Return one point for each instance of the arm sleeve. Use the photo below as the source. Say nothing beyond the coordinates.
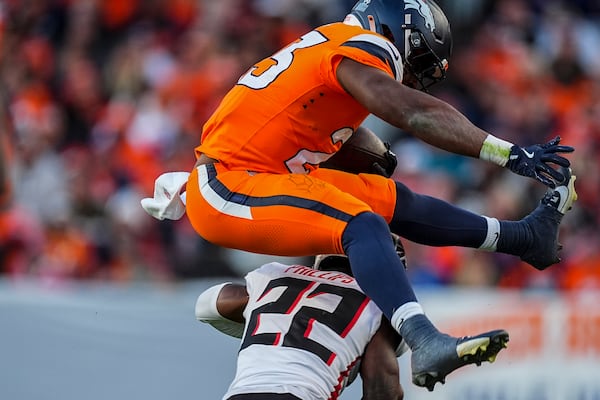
(206, 311)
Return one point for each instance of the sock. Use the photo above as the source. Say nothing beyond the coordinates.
(434, 222)
(493, 234)
(417, 331)
(515, 237)
(404, 312)
(375, 265)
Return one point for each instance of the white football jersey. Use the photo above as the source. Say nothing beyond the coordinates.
(305, 331)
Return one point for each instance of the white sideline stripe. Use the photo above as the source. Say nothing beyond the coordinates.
(216, 201)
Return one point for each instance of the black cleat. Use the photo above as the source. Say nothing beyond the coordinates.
(544, 223)
(564, 195)
(435, 355)
(442, 354)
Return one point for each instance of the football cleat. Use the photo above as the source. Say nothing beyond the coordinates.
(562, 197)
(442, 354)
(545, 220)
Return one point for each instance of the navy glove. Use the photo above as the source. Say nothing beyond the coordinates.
(532, 161)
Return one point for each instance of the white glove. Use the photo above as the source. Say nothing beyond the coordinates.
(167, 201)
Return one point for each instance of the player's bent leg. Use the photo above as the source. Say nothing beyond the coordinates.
(430, 221)
(420, 218)
(375, 264)
(380, 273)
(434, 222)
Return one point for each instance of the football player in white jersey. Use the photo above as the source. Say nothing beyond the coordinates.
(306, 333)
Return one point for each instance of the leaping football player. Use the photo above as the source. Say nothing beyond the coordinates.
(257, 185)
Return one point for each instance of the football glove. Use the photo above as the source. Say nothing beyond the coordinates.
(533, 161)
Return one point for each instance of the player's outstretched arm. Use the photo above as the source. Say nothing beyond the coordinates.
(441, 125)
(420, 114)
(232, 301)
(379, 369)
(222, 306)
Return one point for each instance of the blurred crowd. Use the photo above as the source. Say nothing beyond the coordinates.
(99, 97)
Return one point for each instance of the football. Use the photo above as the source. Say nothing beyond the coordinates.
(364, 152)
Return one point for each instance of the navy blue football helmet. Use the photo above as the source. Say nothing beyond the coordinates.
(420, 31)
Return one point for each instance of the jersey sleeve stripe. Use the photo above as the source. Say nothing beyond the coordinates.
(379, 48)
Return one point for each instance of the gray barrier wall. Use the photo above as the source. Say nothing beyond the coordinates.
(93, 342)
(98, 342)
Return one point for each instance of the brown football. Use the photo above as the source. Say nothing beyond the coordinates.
(361, 152)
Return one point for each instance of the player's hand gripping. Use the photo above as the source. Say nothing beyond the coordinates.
(389, 165)
(533, 161)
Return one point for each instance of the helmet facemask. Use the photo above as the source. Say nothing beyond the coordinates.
(423, 66)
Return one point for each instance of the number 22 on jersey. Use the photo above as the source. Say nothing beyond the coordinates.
(304, 314)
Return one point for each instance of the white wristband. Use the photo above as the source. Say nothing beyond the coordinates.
(495, 150)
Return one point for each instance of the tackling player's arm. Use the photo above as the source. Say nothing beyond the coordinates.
(222, 306)
(441, 125)
(379, 369)
(232, 301)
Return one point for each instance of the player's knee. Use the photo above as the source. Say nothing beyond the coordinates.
(406, 201)
(367, 225)
(404, 196)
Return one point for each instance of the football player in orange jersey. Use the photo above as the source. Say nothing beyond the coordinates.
(257, 185)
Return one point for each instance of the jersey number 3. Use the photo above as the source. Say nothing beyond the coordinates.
(260, 76)
(340, 320)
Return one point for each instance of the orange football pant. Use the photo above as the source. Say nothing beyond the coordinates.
(282, 214)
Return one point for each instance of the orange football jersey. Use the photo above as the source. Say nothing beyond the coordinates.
(288, 113)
